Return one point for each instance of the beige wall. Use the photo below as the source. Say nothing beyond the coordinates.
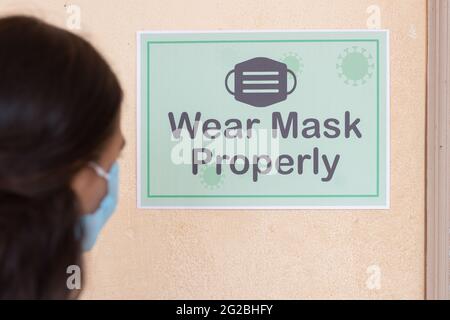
(260, 254)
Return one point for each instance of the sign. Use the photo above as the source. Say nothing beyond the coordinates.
(295, 119)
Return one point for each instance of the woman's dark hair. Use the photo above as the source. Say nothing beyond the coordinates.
(59, 101)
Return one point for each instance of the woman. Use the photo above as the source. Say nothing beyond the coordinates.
(59, 141)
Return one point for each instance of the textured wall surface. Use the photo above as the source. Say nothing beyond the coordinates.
(260, 254)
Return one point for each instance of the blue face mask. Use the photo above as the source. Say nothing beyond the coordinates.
(93, 223)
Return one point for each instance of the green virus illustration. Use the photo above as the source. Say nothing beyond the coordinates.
(294, 62)
(210, 179)
(355, 65)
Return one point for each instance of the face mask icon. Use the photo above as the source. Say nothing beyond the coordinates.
(260, 82)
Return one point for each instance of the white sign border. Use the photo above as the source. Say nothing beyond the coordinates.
(140, 33)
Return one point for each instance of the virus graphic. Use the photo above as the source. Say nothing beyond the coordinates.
(355, 65)
(210, 179)
(294, 62)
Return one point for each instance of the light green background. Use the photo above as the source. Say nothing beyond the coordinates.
(186, 72)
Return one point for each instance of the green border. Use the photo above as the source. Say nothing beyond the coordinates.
(263, 196)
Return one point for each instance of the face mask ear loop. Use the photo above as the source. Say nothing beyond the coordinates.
(226, 82)
(295, 81)
(99, 170)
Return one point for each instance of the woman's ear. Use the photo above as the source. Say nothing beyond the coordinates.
(89, 188)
